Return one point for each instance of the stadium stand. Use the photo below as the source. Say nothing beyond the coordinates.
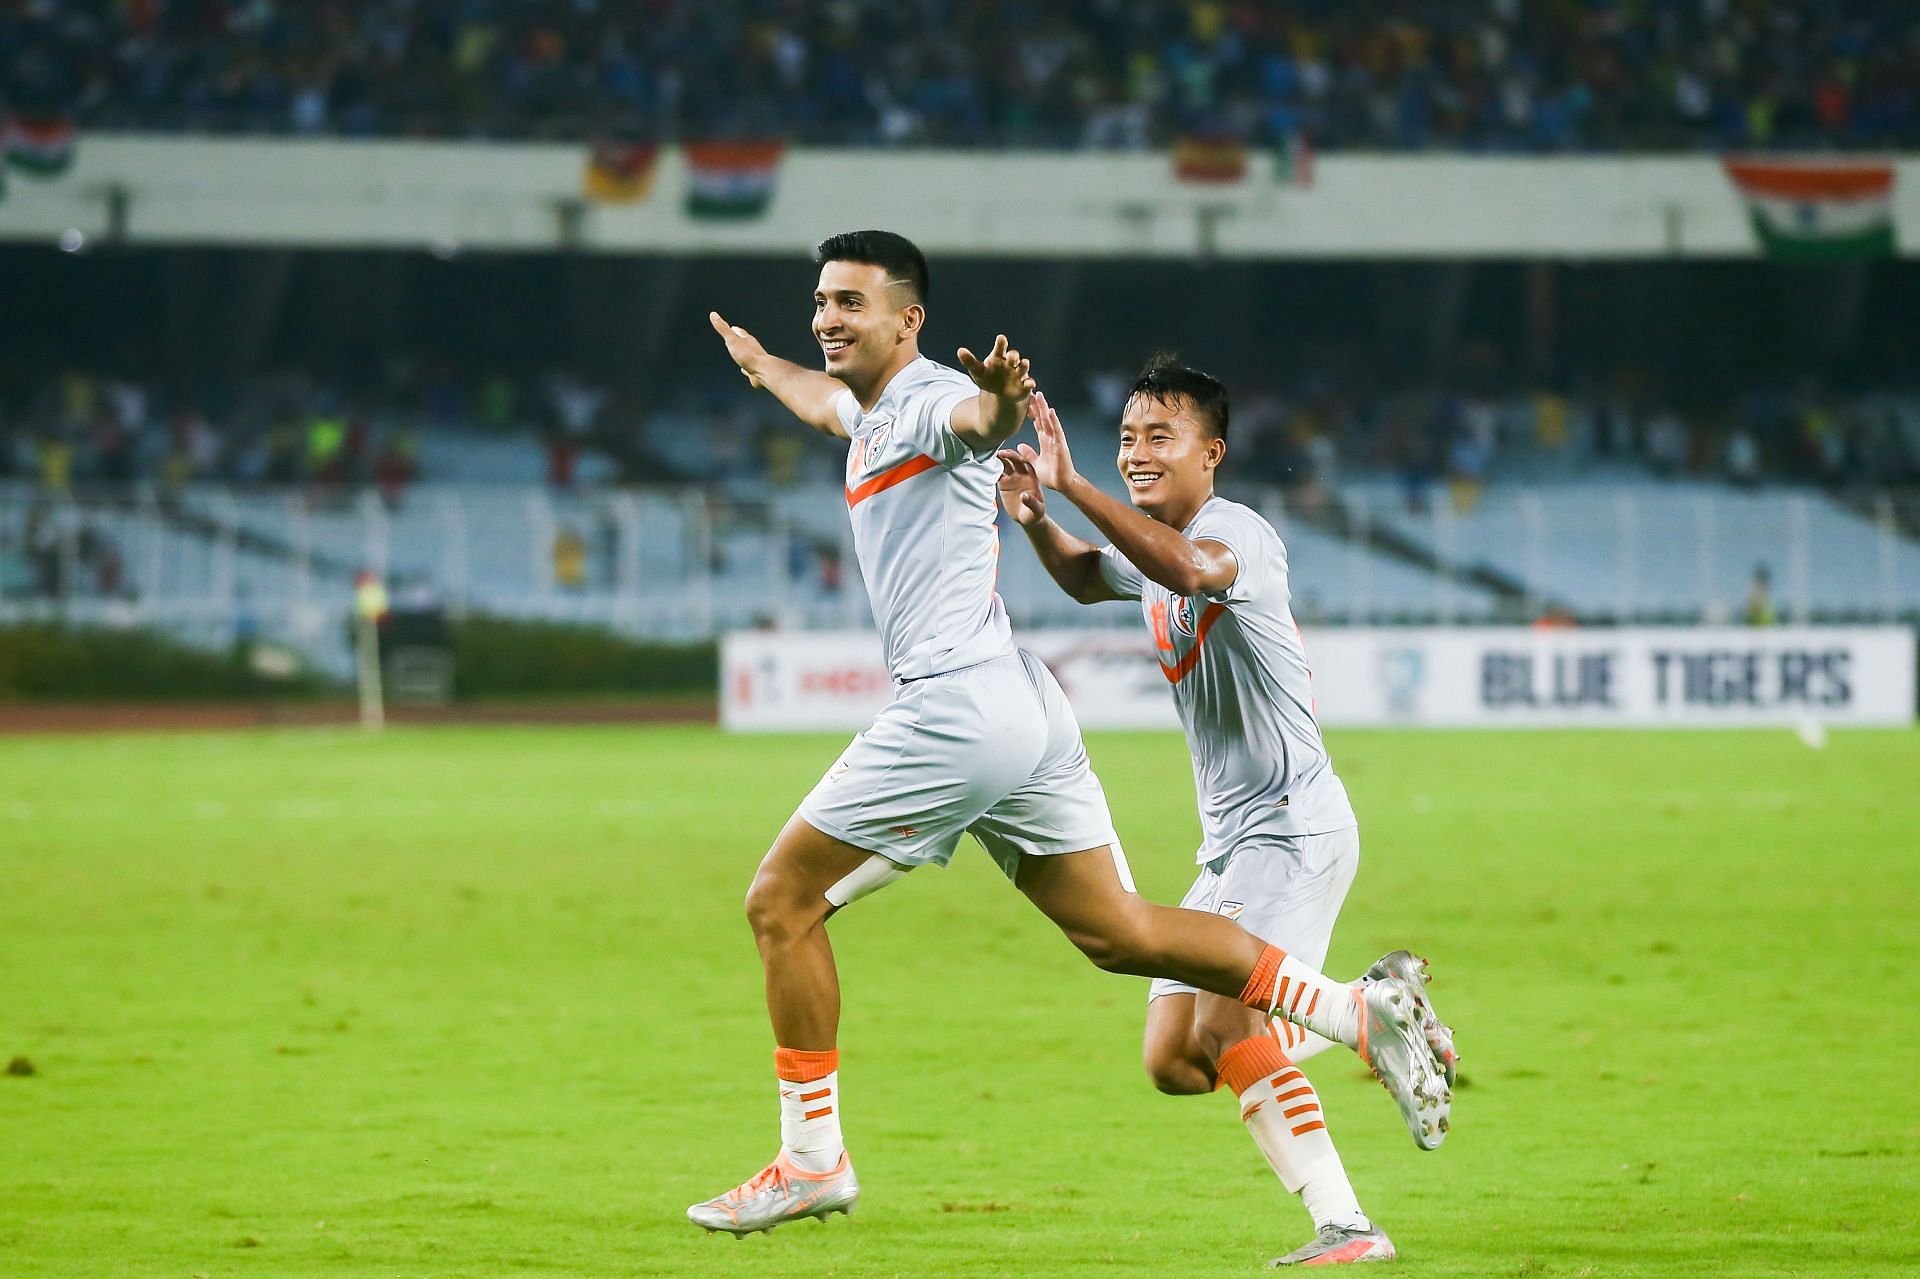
(1472, 74)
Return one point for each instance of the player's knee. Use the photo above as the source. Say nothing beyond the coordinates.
(776, 913)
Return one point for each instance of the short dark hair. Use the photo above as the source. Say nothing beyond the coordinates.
(898, 256)
(1166, 380)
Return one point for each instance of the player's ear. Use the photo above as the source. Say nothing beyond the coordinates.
(1216, 451)
(913, 317)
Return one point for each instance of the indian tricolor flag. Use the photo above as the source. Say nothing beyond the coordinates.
(732, 179)
(40, 147)
(1818, 210)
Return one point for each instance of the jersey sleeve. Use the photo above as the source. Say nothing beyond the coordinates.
(1259, 556)
(1118, 572)
(928, 421)
(848, 409)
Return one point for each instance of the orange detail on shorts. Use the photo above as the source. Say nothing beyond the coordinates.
(1184, 667)
(1258, 992)
(797, 1066)
(815, 1114)
(1248, 1062)
(1312, 1004)
(1314, 1126)
(888, 478)
(1305, 1107)
(816, 1095)
(1298, 991)
(1280, 995)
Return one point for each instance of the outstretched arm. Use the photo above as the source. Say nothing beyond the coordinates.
(808, 393)
(1162, 553)
(1005, 381)
(1072, 563)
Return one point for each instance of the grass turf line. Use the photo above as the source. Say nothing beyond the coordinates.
(481, 1002)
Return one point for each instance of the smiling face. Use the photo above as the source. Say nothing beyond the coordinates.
(1167, 457)
(867, 325)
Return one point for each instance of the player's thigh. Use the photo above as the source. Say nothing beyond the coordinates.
(937, 757)
(1089, 896)
(1060, 806)
(795, 875)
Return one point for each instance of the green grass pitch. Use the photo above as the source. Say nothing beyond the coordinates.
(482, 1003)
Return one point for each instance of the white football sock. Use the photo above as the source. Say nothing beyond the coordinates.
(810, 1109)
(1282, 1115)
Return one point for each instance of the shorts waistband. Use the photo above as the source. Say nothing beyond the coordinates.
(902, 682)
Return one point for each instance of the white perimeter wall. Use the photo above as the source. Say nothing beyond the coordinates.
(309, 193)
(1413, 678)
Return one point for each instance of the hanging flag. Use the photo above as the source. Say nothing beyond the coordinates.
(1293, 161)
(732, 179)
(1209, 158)
(1817, 210)
(619, 172)
(41, 146)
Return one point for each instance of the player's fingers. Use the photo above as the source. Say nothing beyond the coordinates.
(1028, 453)
(719, 325)
(968, 360)
(1000, 345)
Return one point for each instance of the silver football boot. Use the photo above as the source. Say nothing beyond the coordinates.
(1338, 1245)
(1396, 1050)
(1412, 969)
(779, 1193)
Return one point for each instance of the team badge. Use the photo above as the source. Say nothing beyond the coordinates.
(838, 771)
(1182, 614)
(1231, 910)
(877, 438)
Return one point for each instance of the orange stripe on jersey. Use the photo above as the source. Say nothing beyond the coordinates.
(1304, 1129)
(1298, 1092)
(1303, 1108)
(1184, 667)
(816, 1095)
(824, 1110)
(888, 478)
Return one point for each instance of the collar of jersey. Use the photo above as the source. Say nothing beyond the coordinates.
(887, 393)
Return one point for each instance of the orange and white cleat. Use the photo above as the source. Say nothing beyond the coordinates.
(779, 1193)
(1340, 1245)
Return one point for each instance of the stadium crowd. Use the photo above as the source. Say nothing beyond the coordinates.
(1395, 74)
(295, 429)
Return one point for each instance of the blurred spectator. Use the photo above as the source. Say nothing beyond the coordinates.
(1459, 74)
(1760, 610)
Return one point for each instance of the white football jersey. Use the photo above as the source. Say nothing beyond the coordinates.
(1240, 680)
(922, 505)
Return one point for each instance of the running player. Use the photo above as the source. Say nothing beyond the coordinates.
(978, 737)
(1280, 841)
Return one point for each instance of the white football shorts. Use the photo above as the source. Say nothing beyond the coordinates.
(992, 750)
(1284, 889)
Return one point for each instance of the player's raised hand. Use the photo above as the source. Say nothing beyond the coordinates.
(1003, 373)
(1053, 463)
(742, 346)
(1019, 487)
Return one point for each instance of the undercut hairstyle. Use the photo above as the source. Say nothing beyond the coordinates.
(1167, 381)
(898, 256)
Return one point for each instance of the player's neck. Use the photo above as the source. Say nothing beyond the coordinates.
(869, 393)
(1180, 514)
